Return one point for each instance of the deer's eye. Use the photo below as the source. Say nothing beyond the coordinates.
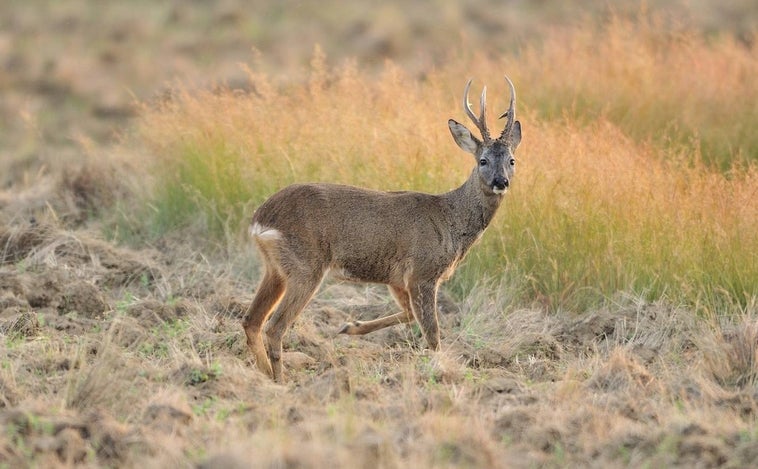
(513, 162)
(483, 162)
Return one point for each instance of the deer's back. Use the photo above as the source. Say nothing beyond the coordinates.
(363, 234)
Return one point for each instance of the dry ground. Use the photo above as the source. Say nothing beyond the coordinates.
(127, 357)
(116, 356)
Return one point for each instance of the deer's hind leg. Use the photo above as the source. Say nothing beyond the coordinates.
(301, 288)
(269, 293)
(405, 316)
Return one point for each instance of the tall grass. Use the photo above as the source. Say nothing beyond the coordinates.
(593, 213)
(615, 190)
(653, 79)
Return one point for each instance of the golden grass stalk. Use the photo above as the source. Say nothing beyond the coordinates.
(654, 79)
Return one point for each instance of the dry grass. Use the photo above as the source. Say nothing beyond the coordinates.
(653, 78)
(635, 384)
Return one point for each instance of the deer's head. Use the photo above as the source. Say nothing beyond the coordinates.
(494, 157)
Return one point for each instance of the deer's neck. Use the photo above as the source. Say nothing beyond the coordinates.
(471, 210)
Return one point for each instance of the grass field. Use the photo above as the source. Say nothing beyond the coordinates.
(651, 198)
(607, 318)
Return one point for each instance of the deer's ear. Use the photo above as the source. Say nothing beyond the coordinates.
(516, 134)
(463, 137)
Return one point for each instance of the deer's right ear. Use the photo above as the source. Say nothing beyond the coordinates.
(463, 137)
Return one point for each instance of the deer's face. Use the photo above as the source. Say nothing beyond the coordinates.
(495, 160)
(496, 166)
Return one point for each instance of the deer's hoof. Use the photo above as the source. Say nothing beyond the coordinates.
(350, 328)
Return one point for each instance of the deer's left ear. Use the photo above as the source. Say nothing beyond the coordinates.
(463, 137)
(516, 134)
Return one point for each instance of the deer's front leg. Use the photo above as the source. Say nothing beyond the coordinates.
(424, 304)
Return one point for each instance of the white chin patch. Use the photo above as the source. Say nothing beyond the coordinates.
(499, 191)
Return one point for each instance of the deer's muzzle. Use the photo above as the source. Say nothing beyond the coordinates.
(499, 185)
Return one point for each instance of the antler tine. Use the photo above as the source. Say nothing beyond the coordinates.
(467, 107)
(483, 114)
(511, 112)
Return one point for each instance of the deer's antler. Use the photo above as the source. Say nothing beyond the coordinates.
(481, 122)
(510, 113)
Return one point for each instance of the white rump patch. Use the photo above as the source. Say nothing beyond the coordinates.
(263, 232)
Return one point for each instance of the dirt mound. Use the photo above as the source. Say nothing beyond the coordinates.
(151, 312)
(75, 282)
(83, 298)
(88, 190)
(24, 324)
(64, 439)
(37, 245)
(50, 290)
(18, 241)
(620, 373)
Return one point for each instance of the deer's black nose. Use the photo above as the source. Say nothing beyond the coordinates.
(500, 183)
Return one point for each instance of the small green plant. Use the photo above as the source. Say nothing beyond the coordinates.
(196, 453)
(197, 376)
(41, 425)
(559, 455)
(202, 375)
(230, 340)
(428, 369)
(223, 414)
(17, 435)
(144, 280)
(204, 347)
(125, 302)
(625, 454)
(174, 329)
(30, 424)
(14, 340)
(204, 407)
(153, 350)
(746, 436)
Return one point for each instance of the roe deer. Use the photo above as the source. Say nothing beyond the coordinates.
(409, 241)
